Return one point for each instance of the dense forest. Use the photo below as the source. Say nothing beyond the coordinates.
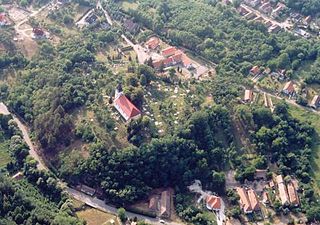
(308, 7)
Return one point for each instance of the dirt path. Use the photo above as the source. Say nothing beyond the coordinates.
(25, 133)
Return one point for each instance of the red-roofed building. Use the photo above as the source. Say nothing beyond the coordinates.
(125, 107)
(293, 196)
(244, 200)
(186, 61)
(289, 88)
(254, 202)
(170, 51)
(248, 96)
(255, 70)
(3, 19)
(213, 203)
(153, 43)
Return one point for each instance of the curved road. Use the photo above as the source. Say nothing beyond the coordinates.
(91, 201)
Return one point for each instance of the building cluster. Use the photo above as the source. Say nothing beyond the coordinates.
(265, 7)
(286, 191)
(172, 56)
(38, 33)
(161, 204)
(249, 202)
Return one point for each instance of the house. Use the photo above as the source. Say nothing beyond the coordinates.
(260, 174)
(244, 200)
(293, 195)
(165, 208)
(279, 9)
(289, 89)
(253, 199)
(243, 11)
(38, 32)
(315, 103)
(153, 203)
(248, 96)
(283, 194)
(274, 29)
(87, 190)
(18, 176)
(307, 20)
(213, 203)
(131, 26)
(255, 70)
(170, 51)
(3, 19)
(124, 106)
(153, 43)
(266, 8)
(265, 198)
(186, 61)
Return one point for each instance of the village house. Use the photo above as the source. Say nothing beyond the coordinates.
(124, 106)
(3, 19)
(293, 195)
(274, 28)
(172, 56)
(38, 33)
(248, 96)
(266, 8)
(213, 203)
(244, 200)
(260, 174)
(86, 189)
(165, 208)
(283, 194)
(153, 43)
(279, 9)
(254, 202)
(255, 71)
(315, 103)
(289, 89)
(153, 203)
(131, 26)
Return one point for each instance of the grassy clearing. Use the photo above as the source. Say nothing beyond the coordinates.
(129, 5)
(4, 154)
(314, 119)
(96, 217)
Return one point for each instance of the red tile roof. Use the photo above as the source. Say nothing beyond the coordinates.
(293, 196)
(153, 43)
(169, 51)
(255, 70)
(244, 200)
(126, 108)
(289, 87)
(3, 18)
(213, 202)
(254, 202)
(38, 31)
(248, 95)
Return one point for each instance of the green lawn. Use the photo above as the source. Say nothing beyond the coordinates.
(314, 119)
(4, 154)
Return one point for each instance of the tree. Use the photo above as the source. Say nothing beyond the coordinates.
(122, 214)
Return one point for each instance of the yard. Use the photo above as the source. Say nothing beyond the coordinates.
(96, 217)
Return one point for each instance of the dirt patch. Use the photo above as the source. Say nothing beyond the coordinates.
(28, 47)
(17, 14)
(96, 217)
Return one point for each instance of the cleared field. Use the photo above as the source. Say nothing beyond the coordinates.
(96, 217)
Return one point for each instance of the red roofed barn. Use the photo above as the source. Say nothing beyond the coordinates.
(153, 43)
